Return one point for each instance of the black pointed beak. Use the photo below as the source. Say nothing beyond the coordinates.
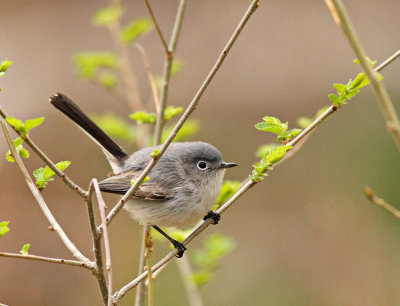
(226, 165)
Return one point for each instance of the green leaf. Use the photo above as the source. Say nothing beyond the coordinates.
(32, 123)
(63, 165)
(4, 65)
(229, 188)
(261, 151)
(146, 179)
(172, 111)
(340, 87)
(271, 157)
(179, 235)
(218, 245)
(4, 229)
(176, 66)
(190, 128)
(25, 249)
(17, 124)
(107, 79)
(144, 117)
(304, 122)
(277, 154)
(360, 81)
(200, 278)
(272, 125)
(371, 62)
(19, 148)
(115, 126)
(155, 153)
(335, 100)
(135, 29)
(289, 135)
(44, 175)
(88, 64)
(41, 181)
(107, 15)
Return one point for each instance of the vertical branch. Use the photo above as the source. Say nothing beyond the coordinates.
(149, 251)
(96, 236)
(39, 199)
(342, 19)
(102, 209)
(170, 52)
(140, 291)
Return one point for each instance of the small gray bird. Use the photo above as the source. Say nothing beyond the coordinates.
(183, 185)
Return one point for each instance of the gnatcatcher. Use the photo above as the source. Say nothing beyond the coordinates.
(183, 186)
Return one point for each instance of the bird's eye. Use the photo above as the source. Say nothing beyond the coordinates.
(202, 165)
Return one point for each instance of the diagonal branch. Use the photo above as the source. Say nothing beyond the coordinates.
(163, 42)
(381, 202)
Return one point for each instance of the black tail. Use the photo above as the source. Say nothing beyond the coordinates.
(71, 110)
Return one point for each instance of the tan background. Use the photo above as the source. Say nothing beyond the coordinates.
(305, 236)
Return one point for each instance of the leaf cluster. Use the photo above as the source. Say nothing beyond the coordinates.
(344, 92)
(208, 258)
(23, 129)
(275, 126)
(145, 117)
(4, 229)
(270, 157)
(4, 65)
(45, 175)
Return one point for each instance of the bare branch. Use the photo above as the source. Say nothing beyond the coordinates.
(42, 204)
(102, 209)
(167, 70)
(76, 263)
(98, 254)
(381, 202)
(48, 162)
(149, 76)
(343, 20)
(164, 43)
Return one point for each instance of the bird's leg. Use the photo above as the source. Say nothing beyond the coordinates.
(212, 215)
(179, 246)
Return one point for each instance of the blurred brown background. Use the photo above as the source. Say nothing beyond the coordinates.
(304, 236)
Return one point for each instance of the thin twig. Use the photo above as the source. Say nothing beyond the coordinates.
(42, 204)
(96, 241)
(169, 58)
(381, 202)
(253, 6)
(388, 61)
(149, 76)
(164, 43)
(102, 209)
(149, 251)
(48, 162)
(51, 260)
(343, 20)
(141, 289)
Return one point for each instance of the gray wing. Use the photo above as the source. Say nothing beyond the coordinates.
(121, 183)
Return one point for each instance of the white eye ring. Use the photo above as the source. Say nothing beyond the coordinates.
(202, 165)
